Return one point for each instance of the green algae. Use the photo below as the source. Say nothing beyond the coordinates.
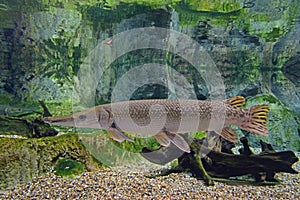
(138, 144)
(190, 16)
(198, 135)
(150, 3)
(5, 98)
(223, 6)
(68, 168)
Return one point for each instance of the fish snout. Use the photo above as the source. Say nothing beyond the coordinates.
(47, 120)
(60, 121)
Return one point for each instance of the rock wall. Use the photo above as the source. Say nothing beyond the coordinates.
(23, 159)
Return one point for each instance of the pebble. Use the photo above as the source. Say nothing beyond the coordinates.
(129, 182)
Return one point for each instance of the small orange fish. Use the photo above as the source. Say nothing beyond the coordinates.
(109, 42)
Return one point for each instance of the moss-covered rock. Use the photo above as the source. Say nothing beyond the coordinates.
(268, 20)
(23, 159)
(25, 128)
(285, 91)
(291, 70)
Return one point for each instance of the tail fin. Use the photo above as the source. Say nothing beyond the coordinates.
(257, 121)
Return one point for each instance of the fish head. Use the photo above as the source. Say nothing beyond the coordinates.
(66, 120)
(90, 118)
(105, 118)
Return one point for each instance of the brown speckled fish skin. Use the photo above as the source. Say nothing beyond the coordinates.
(191, 111)
(159, 116)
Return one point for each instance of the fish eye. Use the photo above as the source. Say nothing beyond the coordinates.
(82, 117)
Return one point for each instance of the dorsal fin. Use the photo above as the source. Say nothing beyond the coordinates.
(236, 102)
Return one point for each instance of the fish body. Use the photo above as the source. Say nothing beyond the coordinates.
(165, 119)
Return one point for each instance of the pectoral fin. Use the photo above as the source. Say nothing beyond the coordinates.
(228, 134)
(118, 135)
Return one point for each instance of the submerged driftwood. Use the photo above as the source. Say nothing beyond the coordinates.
(25, 128)
(205, 163)
(34, 128)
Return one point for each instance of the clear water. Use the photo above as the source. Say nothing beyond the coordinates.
(92, 52)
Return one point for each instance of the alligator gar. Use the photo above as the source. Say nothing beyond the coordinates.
(166, 119)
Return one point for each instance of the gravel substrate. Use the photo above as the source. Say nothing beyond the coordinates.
(131, 183)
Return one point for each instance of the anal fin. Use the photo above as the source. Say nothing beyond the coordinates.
(118, 135)
(228, 134)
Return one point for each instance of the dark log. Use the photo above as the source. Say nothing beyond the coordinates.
(246, 150)
(217, 164)
(25, 128)
(45, 111)
(29, 128)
